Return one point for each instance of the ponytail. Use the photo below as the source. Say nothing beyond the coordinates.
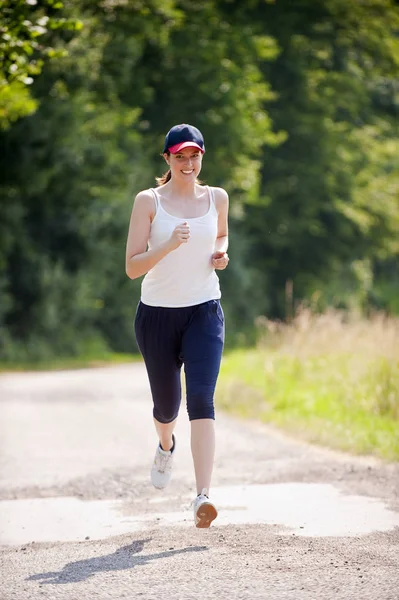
(164, 178)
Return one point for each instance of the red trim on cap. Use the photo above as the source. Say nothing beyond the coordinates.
(177, 147)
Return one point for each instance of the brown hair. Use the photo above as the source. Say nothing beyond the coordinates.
(164, 178)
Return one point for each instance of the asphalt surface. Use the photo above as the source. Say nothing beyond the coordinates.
(79, 518)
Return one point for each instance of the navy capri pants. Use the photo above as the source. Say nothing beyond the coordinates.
(170, 337)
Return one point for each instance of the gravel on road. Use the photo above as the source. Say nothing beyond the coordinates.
(79, 518)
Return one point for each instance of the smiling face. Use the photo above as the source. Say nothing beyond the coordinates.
(185, 164)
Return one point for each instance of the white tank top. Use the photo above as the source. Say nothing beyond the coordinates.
(185, 276)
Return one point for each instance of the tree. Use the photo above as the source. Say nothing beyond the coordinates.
(29, 34)
(297, 104)
(318, 209)
(96, 136)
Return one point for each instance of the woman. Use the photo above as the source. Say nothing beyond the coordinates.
(178, 236)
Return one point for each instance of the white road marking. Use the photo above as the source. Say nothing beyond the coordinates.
(313, 510)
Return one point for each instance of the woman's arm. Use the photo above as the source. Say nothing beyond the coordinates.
(220, 257)
(139, 260)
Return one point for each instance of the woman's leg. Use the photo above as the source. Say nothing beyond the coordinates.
(203, 451)
(165, 433)
(156, 337)
(160, 347)
(202, 347)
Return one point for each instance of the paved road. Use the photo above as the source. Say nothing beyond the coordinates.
(80, 520)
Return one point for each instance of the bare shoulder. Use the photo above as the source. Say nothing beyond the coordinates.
(144, 202)
(144, 197)
(221, 198)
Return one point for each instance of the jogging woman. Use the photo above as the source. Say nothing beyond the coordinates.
(178, 236)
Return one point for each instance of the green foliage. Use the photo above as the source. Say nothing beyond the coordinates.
(298, 103)
(27, 39)
(329, 192)
(15, 102)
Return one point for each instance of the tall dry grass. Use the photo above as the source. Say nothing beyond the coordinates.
(367, 350)
(332, 378)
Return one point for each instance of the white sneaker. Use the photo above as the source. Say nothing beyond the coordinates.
(161, 471)
(204, 511)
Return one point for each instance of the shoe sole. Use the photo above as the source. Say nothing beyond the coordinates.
(160, 486)
(206, 513)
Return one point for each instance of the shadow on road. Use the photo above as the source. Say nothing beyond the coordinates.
(120, 560)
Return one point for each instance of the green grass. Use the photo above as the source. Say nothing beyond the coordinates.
(78, 362)
(326, 379)
(330, 379)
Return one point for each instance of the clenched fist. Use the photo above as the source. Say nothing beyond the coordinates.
(220, 260)
(180, 235)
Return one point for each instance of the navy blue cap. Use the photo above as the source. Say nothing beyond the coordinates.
(183, 136)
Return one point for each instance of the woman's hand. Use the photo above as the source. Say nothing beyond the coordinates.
(220, 260)
(180, 235)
